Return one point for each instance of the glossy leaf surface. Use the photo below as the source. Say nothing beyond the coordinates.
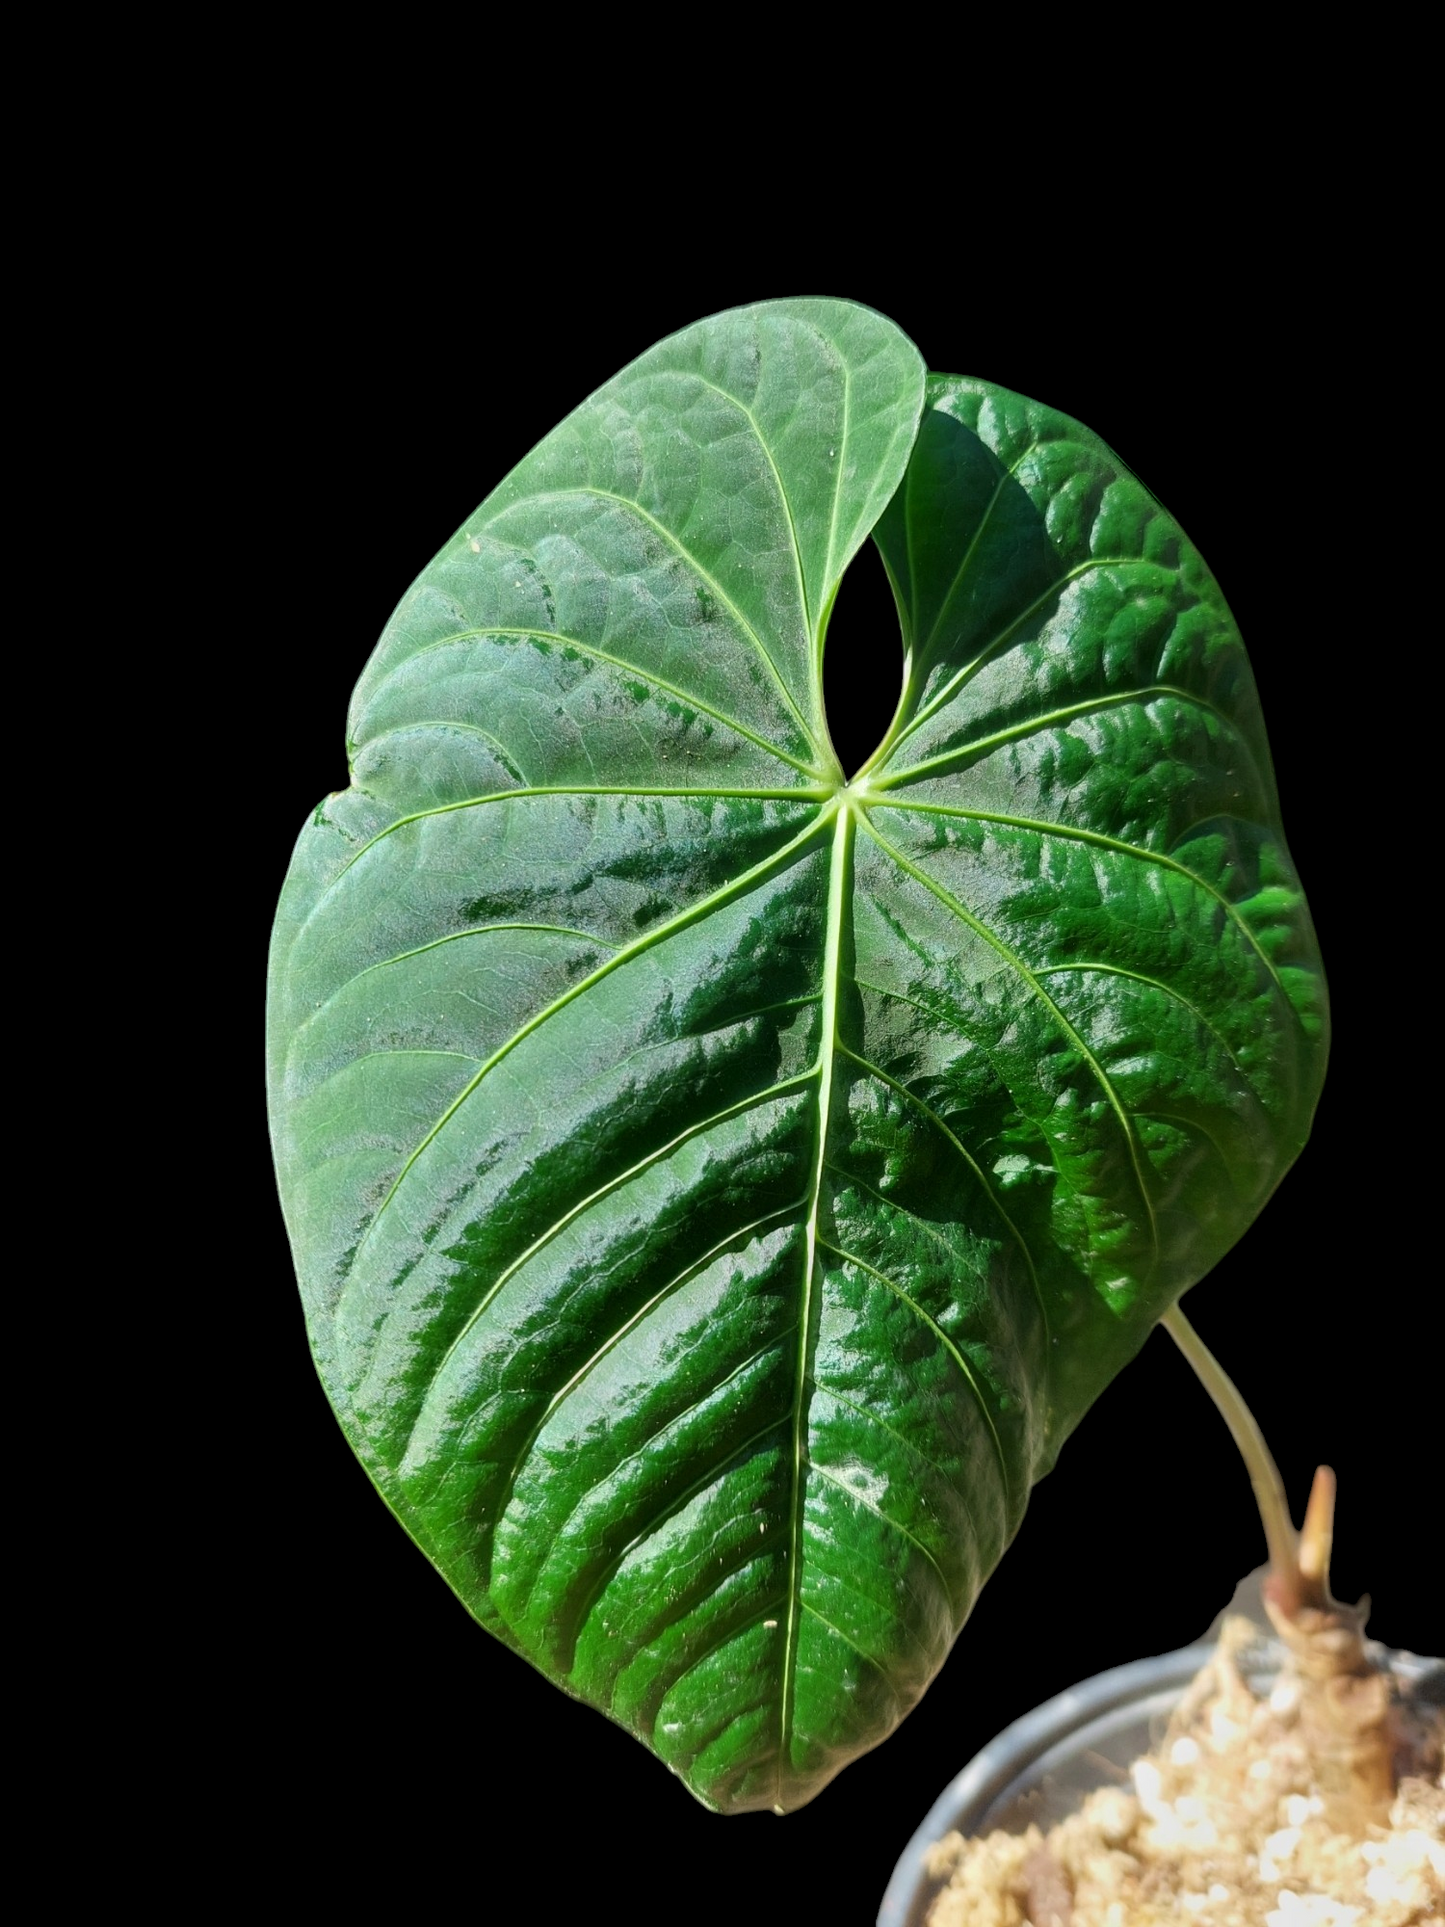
(718, 1189)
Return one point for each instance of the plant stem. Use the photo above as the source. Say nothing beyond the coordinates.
(1345, 1720)
(1269, 1493)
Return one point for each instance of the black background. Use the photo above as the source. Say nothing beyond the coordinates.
(399, 392)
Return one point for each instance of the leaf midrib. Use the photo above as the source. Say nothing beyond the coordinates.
(839, 896)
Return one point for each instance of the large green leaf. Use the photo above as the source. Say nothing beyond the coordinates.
(718, 1189)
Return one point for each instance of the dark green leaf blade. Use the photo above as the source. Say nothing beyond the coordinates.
(716, 1190)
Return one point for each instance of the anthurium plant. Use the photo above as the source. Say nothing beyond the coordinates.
(719, 1183)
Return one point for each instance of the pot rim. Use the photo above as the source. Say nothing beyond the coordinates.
(991, 1770)
(1019, 1745)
